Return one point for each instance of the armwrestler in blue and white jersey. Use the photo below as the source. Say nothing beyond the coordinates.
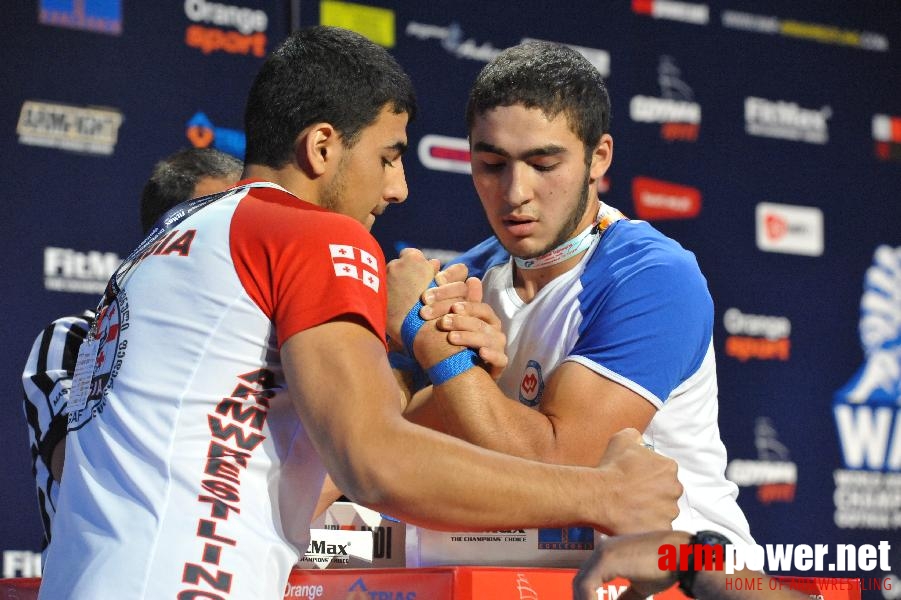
(608, 322)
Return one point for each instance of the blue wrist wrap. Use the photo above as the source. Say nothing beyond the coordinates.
(412, 324)
(453, 365)
(402, 362)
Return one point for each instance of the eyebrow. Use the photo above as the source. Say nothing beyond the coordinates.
(548, 150)
(399, 147)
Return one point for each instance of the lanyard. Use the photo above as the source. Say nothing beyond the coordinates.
(607, 215)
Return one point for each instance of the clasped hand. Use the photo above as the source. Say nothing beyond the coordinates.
(453, 310)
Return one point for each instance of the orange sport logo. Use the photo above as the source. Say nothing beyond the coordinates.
(226, 28)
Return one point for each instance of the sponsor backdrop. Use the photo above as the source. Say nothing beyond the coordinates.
(764, 136)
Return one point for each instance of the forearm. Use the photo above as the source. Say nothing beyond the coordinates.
(329, 494)
(442, 483)
(348, 405)
(422, 410)
(473, 408)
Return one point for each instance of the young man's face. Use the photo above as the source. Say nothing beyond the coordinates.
(531, 176)
(370, 174)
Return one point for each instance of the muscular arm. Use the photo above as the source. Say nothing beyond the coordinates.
(348, 403)
(580, 408)
(579, 412)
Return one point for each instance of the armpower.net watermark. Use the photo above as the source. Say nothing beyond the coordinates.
(826, 560)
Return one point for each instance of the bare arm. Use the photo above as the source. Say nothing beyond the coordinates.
(579, 411)
(434, 480)
(635, 557)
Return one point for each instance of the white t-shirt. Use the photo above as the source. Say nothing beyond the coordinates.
(188, 473)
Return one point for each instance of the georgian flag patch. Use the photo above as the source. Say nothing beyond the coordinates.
(350, 261)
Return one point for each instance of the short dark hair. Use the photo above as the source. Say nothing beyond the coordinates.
(321, 74)
(174, 178)
(551, 77)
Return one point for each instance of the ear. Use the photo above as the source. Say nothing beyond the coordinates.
(601, 158)
(317, 148)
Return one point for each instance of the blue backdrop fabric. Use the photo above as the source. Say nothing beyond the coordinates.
(764, 136)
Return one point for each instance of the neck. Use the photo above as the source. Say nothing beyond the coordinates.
(529, 281)
(530, 275)
(291, 179)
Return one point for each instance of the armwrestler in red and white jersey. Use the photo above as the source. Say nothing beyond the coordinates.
(240, 352)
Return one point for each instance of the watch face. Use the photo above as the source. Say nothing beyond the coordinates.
(710, 538)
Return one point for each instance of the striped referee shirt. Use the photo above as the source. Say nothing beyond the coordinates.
(46, 380)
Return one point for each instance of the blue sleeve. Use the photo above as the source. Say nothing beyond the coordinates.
(482, 257)
(647, 314)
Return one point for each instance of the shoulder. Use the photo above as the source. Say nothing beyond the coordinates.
(635, 249)
(482, 257)
(76, 325)
(56, 346)
(274, 214)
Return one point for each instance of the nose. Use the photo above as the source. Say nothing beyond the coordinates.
(515, 184)
(396, 184)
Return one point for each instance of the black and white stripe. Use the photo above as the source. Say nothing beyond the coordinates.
(46, 380)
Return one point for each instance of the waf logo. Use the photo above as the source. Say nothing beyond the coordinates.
(99, 16)
(656, 200)
(789, 229)
(773, 473)
(201, 132)
(887, 137)
(350, 261)
(867, 409)
(532, 386)
(676, 111)
(443, 153)
(217, 34)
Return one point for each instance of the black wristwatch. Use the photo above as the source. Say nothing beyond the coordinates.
(686, 577)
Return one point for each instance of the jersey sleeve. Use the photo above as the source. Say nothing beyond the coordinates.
(304, 266)
(47, 377)
(46, 381)
(649, 325)
(479, 259)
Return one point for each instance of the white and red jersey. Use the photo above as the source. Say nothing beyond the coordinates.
(188, 473)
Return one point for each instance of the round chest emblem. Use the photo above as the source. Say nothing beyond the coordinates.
(532, 385)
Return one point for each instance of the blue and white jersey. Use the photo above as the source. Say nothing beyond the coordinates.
(637, 311)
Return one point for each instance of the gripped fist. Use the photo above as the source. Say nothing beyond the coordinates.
(646, 496)
(470, 323)
(407, 277)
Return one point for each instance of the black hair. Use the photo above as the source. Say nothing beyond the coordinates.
(551, 77)
(321, 74)
(174, 178)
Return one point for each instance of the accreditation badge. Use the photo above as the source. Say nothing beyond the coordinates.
(84, 373)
